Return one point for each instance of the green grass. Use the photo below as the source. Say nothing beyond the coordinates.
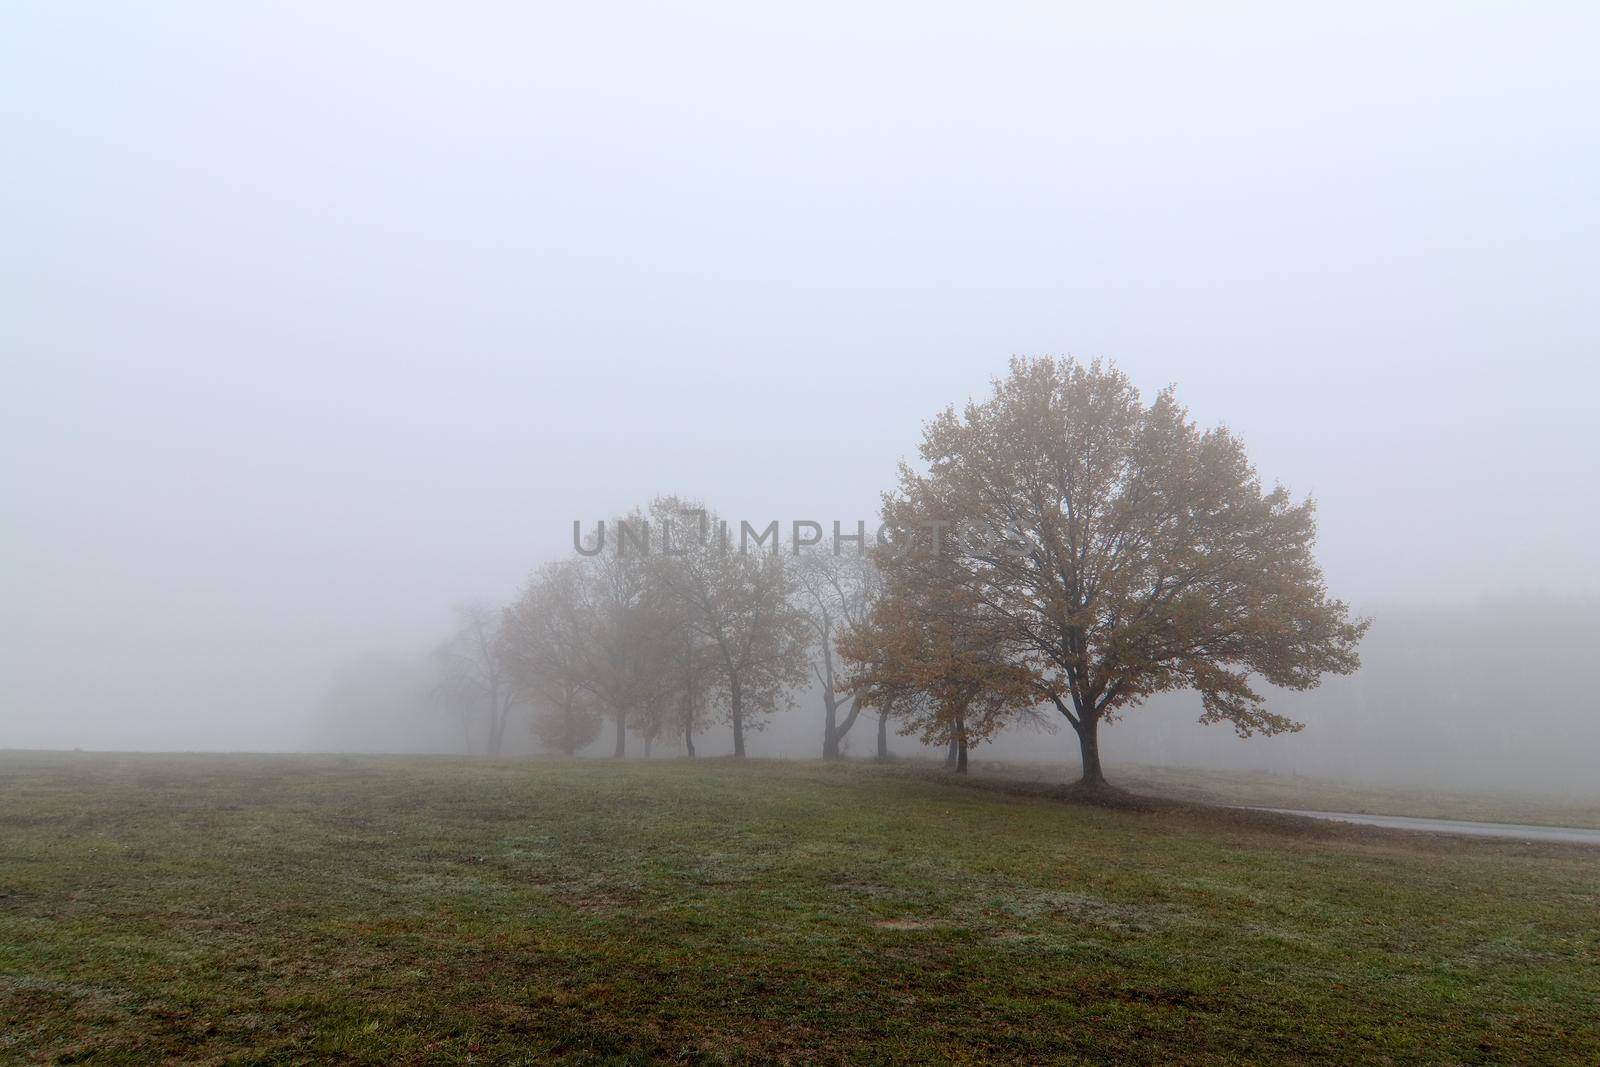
(276, 909)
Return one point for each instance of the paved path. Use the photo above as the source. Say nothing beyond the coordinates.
(1570, 834)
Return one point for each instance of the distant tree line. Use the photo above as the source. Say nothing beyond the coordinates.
(1065, 552)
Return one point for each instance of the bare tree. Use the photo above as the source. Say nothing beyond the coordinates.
(836, 591)
(472, 677)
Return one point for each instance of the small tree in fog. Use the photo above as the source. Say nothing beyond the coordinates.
(836, 591)
(934, 655)
(544, 642)
(740, 605)
(689, 673)
(1120, 551)
(655, 715)
(620, 602)
(472, 679)
(567, 727)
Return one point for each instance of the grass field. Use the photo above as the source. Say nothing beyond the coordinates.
(276, 909)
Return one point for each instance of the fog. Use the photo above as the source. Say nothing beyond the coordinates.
(318, 320)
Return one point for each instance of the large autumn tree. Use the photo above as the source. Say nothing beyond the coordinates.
(1119, 551)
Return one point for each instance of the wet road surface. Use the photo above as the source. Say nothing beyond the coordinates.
(1516, 831)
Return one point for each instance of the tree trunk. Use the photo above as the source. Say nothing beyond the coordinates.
(688, 716)
(648, 742)
(830, 729)
(961, 748)
(1089, 747)
(883, 737)
(830, 699)
(736, 707)
(950, 754)
(833, 743)
(499, 712)
(568, 748)
(622, 737)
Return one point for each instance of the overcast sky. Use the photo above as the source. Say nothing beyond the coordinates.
(317, 318)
